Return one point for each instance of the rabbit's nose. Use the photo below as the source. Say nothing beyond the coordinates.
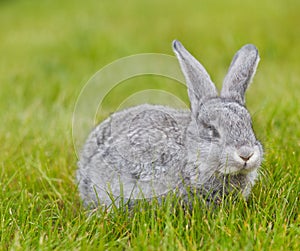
(245, 153)
(244, 158)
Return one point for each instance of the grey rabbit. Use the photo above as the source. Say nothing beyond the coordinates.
(149, 151)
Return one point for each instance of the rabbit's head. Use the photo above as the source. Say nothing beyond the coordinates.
(220, 134)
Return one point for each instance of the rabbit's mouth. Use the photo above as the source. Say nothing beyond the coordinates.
(247, 168)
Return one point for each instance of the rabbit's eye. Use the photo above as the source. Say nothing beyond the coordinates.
(212, 131)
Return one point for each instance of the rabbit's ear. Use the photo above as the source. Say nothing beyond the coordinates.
(240, 73)
(198, 81)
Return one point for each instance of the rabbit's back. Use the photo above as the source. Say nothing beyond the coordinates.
(135, 153)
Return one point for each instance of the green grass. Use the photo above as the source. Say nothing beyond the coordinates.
(49, 49)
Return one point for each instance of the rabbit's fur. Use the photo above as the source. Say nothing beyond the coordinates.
(148, 151)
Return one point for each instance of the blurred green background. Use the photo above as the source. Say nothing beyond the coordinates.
(49, 49)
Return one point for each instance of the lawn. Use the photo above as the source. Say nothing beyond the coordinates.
(48, 52)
